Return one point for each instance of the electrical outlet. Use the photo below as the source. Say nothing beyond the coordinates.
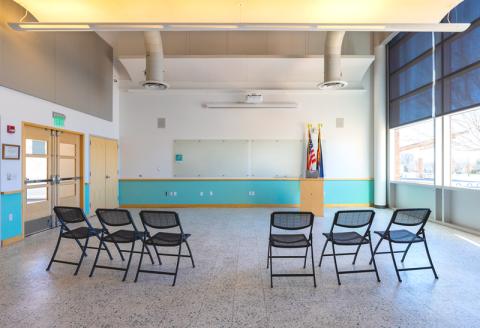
(201, 193)
(10, 217)
(174, 194)
(211, 193)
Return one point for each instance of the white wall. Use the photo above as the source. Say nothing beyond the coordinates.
(148, 151)
(16, 107)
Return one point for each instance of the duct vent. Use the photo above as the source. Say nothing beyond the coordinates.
(161, 123)
(332, 85)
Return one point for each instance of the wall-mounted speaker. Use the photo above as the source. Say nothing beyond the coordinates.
(161, 123)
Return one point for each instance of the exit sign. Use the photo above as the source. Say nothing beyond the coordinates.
(58, 120)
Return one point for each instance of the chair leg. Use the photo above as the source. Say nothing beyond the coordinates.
(373, 260)
(305, 260)
(96, 256)
(268, 256)
(335, 261)
(79, 244)
(429, 258)
(356, 254)
(405, 253)
(313, 267)
(394, 262)
(129, 261)
(140, 262)
(190, 251)
(178, 262)
(323, 252)
(55, 251)
(119, 251)
(106, 248)
(375, 251)
(271, 270)
(158, 255)
(150, 255)
(84, 253)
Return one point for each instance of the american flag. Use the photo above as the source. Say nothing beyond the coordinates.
(311, 156)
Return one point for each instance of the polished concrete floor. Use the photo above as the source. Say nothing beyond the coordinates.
(230, 286)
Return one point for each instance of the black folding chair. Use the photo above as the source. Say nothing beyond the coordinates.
(75, 215)
(352, 220)
(118, 218)
(406, 217)
(291, 221)
(161, 220)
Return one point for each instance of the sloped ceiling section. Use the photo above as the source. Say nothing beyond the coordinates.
(241, 11)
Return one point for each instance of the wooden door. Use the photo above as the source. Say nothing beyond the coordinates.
(37, 174)
(69, 161)
(97, 174)
(111, 173)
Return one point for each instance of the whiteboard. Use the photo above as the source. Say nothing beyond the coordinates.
(238, 158)
(277, 158)
(210, 158)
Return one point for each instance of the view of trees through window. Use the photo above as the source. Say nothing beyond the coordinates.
(465, 149)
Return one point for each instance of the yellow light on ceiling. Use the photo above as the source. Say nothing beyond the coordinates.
(352, 27)
(53, 27)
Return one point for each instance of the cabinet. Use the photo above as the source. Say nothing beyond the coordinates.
(311, 196)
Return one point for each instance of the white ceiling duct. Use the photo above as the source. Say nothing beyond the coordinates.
(154, 70)
(332, 65)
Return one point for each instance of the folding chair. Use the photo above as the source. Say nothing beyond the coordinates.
(406, 217)
(162, 220)
(350, 219)
(118, 218)
(75, 215)
(291, 221)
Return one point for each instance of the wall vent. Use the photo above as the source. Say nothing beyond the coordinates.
(339, 122)
(161, 123)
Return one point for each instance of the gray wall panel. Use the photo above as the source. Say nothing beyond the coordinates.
(72, 69)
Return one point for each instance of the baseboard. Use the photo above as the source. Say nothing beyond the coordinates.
(11, 241)
(209, 205)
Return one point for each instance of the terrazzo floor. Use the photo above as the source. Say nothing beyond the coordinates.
(230, 286)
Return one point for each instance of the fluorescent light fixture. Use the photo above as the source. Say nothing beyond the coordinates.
(62, 26)
(272, 105)
(52, 27)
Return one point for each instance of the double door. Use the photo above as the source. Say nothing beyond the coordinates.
(103, 173)
(52, 175)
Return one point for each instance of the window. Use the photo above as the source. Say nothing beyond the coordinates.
(464, 149)
(413, 153)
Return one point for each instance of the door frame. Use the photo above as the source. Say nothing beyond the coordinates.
(82, 164)
(90, 163)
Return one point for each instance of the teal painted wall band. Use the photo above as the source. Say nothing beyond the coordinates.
(11, 204)
(237, 192)
(86, 199)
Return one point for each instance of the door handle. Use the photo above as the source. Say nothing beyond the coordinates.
(107, 177)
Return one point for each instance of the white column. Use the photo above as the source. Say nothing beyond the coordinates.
(380, 126)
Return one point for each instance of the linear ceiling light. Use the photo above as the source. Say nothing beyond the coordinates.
(442, 27)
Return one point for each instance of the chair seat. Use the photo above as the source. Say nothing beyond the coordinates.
(81, 233)
(400, 236)
(167, 239)
(346, 238)
(124, 236)
(289, 241)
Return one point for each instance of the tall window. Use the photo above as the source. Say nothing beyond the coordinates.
(435, 77)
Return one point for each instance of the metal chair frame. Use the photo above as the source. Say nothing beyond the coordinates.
(365, 237)
(138, 235)
(148, 238)
(309, 245)
(63, 233)
(420, 234)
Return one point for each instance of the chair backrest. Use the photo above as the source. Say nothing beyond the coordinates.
(67, 215)
(160, 219)
(291, 220)
(410, 217)
(114, 217)
(353, 218)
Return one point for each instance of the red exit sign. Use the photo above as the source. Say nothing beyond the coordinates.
(10, 128)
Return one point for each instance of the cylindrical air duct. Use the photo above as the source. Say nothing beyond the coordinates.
(154, 70)
(332, 61)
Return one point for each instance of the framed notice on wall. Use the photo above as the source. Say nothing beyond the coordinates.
(10, 152)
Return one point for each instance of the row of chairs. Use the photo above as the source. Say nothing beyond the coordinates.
(356, 219)
(152, 236)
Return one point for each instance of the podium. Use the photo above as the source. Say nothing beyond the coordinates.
(311, 196)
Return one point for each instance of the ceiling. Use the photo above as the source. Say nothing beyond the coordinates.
(241, 11)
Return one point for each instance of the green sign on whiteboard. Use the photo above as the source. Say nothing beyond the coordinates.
(58, 120)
